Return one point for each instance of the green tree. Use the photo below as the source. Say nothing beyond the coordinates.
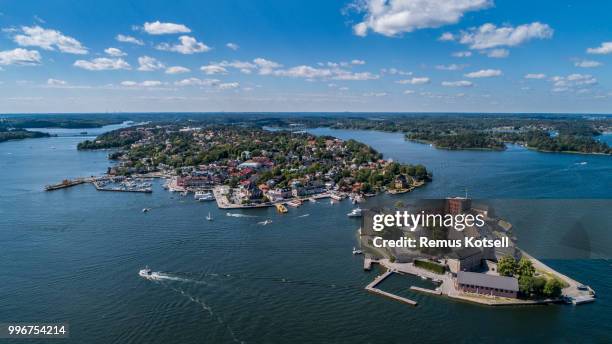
(552, 288)
(525, 267)
(526, 285)
(506, 266)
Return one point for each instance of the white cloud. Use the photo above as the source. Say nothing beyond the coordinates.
(266, 66)
(49, 40)
(452, 66)
(114, 52)
(19, 56)
(128, 39)
(484, 73)
(462, 54)
(304, 72)
(233, 46)
(414, 81)
(229, 85)
(177, 70)
(56, 82)
(375, 94)
(146, 83)
(408, 92)
(498, 53)
(244, 66)
(394, 71)
(187, 45)
(587, 64)
(102, 63)
(446, 37)
(158, 28)
(573, 81)
(148, 64)
(535, 76)
(460, 83)
(213, 69)
(490, 36)
(394, 17)
(346, 75)
(603, 49)
(358, 62)
(197, 82)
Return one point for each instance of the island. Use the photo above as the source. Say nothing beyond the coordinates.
(249, 166)
(477, 261)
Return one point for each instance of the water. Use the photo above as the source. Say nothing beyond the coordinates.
(73, 255)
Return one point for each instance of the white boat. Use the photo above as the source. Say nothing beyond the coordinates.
(356, 251)
(209, 217)
(266, 222)
(145, 210)
(336, 197)
(355, 212)
(312, 200)
(203, 196)
(146, 272)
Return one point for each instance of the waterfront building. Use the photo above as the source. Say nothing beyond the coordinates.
(465, 259)
(484, 284)
(458, 205)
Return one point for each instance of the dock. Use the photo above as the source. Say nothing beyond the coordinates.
(66, 183)
(425, 290)
(372, 289)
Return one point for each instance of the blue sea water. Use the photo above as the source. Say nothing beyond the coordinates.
(73, 255)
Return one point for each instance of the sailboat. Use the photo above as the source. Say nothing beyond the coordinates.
(209, 217)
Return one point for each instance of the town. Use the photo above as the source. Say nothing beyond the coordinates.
(246, 166)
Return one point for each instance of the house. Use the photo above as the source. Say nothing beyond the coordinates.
(484, 284)
(401, 182)
(465, 259)
(279, 194)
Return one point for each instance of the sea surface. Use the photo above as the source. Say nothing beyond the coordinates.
(73, 255)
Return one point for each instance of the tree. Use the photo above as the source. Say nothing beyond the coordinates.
(525, 267)
(552, 288)
(506, 266)
(526, 284)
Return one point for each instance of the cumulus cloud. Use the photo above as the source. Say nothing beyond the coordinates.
(56, 82)
(452, 66)
(266, 67)
(233, 46)
(394, 17)
(535, 76)
(102, 63)
(587, 64)
(128, 39)
(497, 53)
(177, 70)
(375, 94)
(414, 81)
(49, 40)
(19, 56)
(446, 37)
(159, 28)
(149, 64)
(197, 82)
(213, 69)
(228, 85)
(394, 71)
(572, 81)
(484, 73)
(304, 71)
(146, 83)
(460, 83)
(188, 45)
(490, 36)
(114, 52)
(603, 49)
(358, 62)
(462, 54)
(408, 92)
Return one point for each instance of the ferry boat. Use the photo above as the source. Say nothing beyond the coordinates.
(281, 208)
(355, 212)
(204, 196)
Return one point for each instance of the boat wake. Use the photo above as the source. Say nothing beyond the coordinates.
(239, 215)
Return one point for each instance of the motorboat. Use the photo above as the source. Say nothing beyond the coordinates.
(356, 251)
(281, 208)
(355, 212)
(145, 273)
(203, 196)
(209, 217)
(145, 210)
(266, 222)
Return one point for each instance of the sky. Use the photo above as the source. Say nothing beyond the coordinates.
(299, 56)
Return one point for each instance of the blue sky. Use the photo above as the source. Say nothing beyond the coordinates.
(365, 55)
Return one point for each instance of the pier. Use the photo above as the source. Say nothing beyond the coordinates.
(372, 289)
(66, 183)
